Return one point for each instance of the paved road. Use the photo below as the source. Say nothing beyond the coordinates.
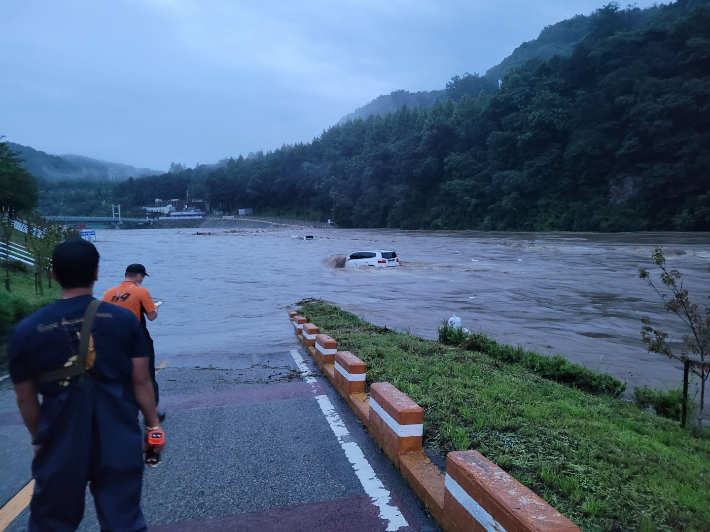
(255, 443)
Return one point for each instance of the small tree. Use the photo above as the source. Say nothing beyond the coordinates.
(696, 345)
(7, 227)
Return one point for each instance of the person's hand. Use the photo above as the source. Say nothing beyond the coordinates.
(154, 439)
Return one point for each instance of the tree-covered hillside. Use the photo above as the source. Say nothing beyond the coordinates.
(47, 167)
(556, 39)
(389, 103)
(18, 190)
(613, 137)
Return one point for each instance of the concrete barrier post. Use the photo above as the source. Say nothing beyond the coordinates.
(292, 313)
(479, 495)
(349, 373)
(309, 332)
(396, 422)
(325, 350)
(298, 322)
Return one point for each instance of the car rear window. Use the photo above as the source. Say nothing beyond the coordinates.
(389, 255)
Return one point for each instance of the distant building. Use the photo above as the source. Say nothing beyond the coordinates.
(179, 207)
(245, 212)
(197, 204)
(167, 209)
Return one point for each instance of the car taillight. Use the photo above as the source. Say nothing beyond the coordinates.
(397, 260)
(381, 262)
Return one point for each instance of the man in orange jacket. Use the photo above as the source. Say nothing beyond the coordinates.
(132, 296)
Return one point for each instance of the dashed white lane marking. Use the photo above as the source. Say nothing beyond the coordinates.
(372, 485)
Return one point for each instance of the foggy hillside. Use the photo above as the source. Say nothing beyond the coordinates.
(54, 167)
(556, 39)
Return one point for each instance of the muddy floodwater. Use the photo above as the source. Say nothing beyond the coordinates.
(575, 294)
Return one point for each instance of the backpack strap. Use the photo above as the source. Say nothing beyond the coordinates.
(77, 366)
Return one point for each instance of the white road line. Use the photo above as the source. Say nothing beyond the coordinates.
(372, 485)
(302, 367)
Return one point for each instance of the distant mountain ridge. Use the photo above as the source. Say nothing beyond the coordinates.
(55, 167)
(556, 39)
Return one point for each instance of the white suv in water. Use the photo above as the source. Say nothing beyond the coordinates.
(375, 257)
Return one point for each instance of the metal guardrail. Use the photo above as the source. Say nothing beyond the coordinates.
(104, 219)
(16, 252)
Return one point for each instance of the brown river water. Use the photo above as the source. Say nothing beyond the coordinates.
(575, 294)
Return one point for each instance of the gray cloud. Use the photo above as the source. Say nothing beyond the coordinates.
(148, 82)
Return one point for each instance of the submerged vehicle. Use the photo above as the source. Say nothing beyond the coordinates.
(375, 257)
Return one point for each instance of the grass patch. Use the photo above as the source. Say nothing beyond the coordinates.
(604, 463)
(20, 302)
(555, 368)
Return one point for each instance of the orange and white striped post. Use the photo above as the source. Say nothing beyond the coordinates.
(396, 422)
(309, 332)
(350, 373)
(298, 322)
(325, 350)
(481, 496)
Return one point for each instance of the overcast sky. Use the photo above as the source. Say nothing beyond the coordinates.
(150, 82)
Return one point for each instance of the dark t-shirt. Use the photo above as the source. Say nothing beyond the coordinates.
(47, 339)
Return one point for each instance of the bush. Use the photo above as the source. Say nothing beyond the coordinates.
(13, 308)
(15, 266)
(668, 404)
(450, 335)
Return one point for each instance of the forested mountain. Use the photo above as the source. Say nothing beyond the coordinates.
(53, 167)
(613, 137)
(18, 190)
(71, 197)
(389, 103)
(556, 39)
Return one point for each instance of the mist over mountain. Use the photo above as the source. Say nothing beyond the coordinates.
(56, 168)
(556, 39)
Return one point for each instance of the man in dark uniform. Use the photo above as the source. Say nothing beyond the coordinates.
(86, 429)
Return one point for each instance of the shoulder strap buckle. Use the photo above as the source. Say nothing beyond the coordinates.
(77, 367)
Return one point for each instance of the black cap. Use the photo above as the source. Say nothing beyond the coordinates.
(137, 268)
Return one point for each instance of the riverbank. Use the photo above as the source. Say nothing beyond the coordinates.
(602, 462)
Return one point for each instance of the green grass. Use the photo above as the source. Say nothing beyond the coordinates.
(20, 302)
(604, 463)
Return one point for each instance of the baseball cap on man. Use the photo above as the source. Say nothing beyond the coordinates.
(136, 268)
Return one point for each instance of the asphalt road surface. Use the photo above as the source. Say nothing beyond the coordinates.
(256, 442)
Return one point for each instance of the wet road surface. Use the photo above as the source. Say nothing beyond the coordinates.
(248, 448)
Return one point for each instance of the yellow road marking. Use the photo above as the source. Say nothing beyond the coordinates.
(14, 506)
(21, 500)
